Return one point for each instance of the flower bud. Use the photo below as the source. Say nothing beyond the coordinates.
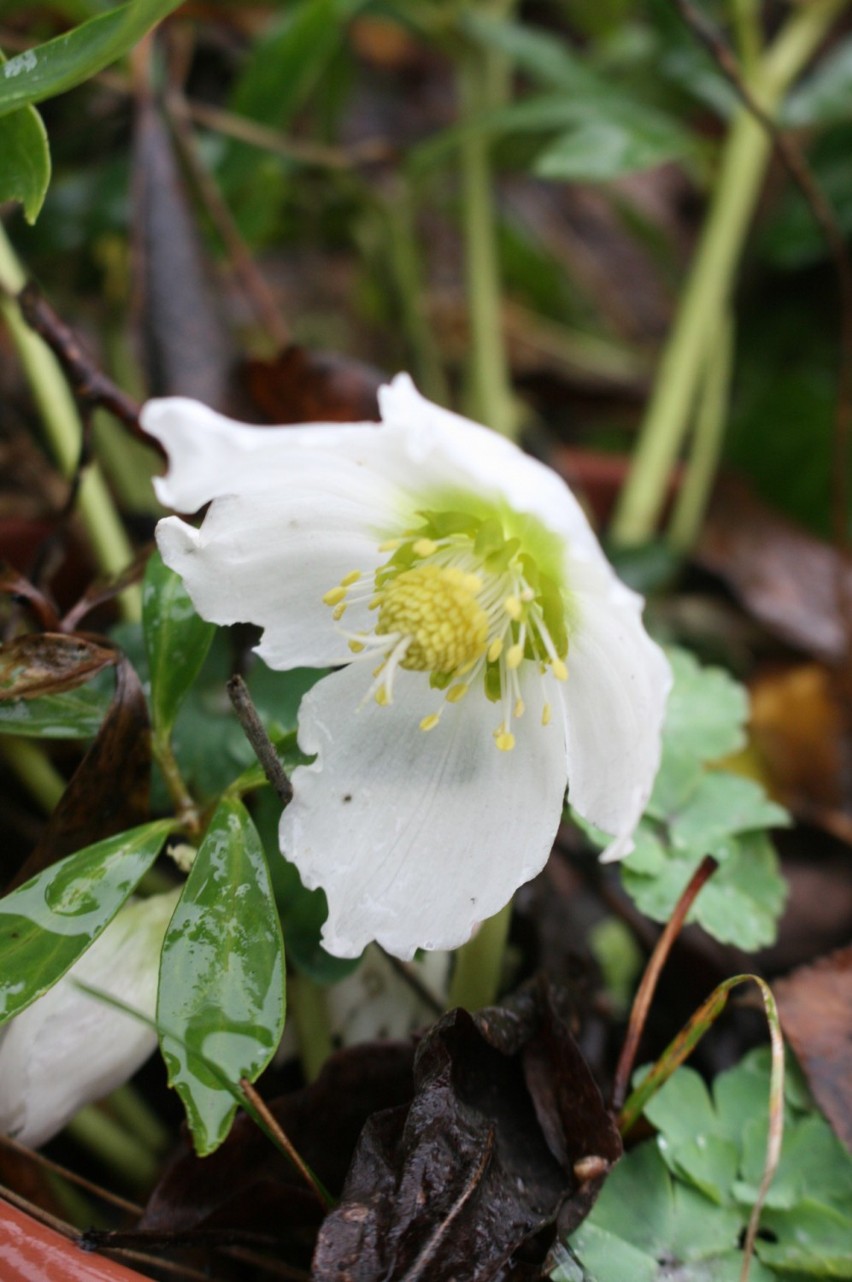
(68, 1048)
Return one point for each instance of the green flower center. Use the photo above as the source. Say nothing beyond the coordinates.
(463, 600)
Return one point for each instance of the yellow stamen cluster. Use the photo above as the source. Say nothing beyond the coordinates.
(446, 609)
(436, 608)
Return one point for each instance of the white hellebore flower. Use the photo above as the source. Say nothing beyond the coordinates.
(69, 1048)
(452, 581)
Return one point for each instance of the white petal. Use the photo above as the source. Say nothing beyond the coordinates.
(210, 455)
(615, 701)
(453, 451)
(416, 836)
(67, 1048)
(268, 559)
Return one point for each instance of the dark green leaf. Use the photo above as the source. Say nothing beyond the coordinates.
(176, 640)
(76, 714)
(60, 64)
(24, 159)
(222, 977)
(46, 924)
(302, 911)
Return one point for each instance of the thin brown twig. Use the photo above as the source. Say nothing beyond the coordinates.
(91, 387)
(269, 1120)
(255, 732)
(647, 987)
(39, 1159)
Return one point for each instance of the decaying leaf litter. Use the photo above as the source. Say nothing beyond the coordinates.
(521, 209)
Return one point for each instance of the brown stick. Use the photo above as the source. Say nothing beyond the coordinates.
(90, 386)
(298, 1161)
(255, 732)
(645, 993)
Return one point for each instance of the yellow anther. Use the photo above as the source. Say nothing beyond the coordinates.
(518, 709)
(424, 547)
(375, 603)
(474, 583)
(356, 646)
(559, 670)
(339, 611)
(546, 714)
(455, 693)
(382, 697)
(495, 650)
(348, 579)
(334, 595)
(434, 608)
(429, 723)
(514, 656)
(390, 545)
(512, 606)
(505, 741)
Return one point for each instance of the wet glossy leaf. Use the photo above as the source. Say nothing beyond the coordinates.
(222, 978)
(77, 714)
(25, 172)
(47, 923)
(42, 663)
(176, 640)
(505, 1117)
(108, 792)
(60, 64)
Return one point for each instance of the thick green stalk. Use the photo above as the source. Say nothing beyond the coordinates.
(479, 964)
(121, 1153)
(405, 262)
(482, 83)
(35, 771)
(308, 1009)
(710, 420)
(109, 542)
(741, 173)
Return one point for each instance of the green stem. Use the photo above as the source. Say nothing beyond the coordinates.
(710, 421)
(481, 84)
(405, 262)
(745, 15)
(36, 772)
(744, 160)
(308, 1009)
(185, 806)
(479, 963)
(122, 1154)
(135, 1114)
(64, 430)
